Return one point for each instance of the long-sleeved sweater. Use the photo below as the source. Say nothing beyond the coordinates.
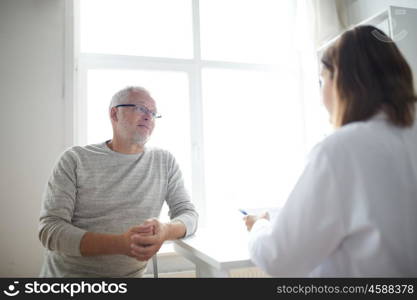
(95, 189)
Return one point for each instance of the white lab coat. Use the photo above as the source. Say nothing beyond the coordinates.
(353, 211)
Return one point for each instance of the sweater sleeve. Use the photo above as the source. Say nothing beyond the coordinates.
(180, 206)
(56, 232)
(308, 228)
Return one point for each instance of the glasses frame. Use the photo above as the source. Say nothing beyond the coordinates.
(141, 109)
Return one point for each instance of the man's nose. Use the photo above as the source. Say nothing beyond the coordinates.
(146, 117)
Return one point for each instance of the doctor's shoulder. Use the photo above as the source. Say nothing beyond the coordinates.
(343, 142)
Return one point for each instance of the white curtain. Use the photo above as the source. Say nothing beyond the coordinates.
(325, 18)
(317, 21)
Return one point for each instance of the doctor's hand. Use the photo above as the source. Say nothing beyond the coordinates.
(147, 239)
(251, 219)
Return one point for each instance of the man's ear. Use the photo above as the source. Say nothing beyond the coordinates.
(113, 114)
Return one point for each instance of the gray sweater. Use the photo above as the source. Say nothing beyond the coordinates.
(95, 189)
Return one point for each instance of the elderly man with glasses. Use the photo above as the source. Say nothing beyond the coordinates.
(100, 206)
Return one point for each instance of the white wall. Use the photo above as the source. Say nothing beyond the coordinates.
(359, 10)
(32, 124)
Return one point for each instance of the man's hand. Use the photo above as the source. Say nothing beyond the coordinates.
(126, 238)
(147, 239)
(251, 219)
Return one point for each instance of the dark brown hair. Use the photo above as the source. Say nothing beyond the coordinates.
(370, 75)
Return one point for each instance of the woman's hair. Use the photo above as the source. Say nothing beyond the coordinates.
(370, 75)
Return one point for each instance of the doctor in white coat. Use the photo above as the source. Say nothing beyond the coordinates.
(353, 211)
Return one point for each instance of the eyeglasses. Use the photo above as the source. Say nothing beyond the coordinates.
(141, 109)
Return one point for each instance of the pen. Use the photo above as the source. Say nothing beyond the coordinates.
(243, 212)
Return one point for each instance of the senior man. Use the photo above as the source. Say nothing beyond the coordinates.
(100, 206)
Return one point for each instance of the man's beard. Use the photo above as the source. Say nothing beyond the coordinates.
(135, 136)
(140, 139)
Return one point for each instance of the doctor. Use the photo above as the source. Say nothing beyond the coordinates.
(353, 211)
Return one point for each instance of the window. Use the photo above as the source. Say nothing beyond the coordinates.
(140, 28)
(252, 136)
(245, 31)
(225, 77)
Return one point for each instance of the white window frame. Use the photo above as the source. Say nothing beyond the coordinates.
(76, 66)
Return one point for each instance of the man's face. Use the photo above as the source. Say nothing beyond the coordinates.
(133, 124)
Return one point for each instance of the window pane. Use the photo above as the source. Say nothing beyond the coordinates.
(137, 27)
(253, 31)
(253, 139)
(170, 91)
